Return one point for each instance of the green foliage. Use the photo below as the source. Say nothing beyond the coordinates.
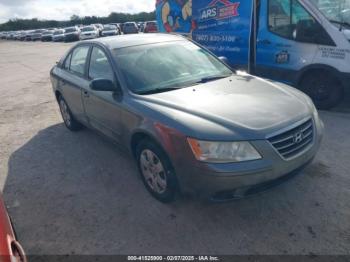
(27, 24)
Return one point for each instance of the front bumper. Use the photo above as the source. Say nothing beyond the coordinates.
(46, 38)
(222, 182)
(72, 37)
(109, 33)
(58, 38)
(85, 37)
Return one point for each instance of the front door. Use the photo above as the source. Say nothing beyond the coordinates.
(102, 108)
(282, 47)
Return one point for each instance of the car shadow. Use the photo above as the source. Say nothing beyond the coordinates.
(76, 193)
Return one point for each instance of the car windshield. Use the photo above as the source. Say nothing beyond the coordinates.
(337, 11)
(87, 29)
(109, 27)
(70, 30)
(166, 66)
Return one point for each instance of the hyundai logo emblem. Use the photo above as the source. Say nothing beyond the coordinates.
(298, 137)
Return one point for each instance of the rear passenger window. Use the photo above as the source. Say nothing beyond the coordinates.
(78, 60)
(99, 65)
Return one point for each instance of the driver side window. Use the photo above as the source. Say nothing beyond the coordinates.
(99, 65)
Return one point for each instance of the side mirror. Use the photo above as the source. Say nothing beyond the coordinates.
(224, 60)
(103, 85)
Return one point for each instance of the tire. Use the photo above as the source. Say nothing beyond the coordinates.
(69, 120)
(156, 171)
(324, 89)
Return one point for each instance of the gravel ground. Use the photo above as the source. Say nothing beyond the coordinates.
(75, 193)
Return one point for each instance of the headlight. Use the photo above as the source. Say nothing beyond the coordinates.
(223, 152)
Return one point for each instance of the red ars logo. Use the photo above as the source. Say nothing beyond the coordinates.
(227, 8)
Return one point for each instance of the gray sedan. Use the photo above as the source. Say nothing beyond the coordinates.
(192, 124)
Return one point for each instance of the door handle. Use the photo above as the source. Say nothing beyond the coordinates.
(264, 41)
(86, 93)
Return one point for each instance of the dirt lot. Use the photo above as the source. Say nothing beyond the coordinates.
(75, 193)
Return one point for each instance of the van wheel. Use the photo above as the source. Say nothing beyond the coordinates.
(71, 123)
(156, 171)
(324, 89)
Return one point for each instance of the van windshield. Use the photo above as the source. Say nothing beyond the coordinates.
(159, 67)
(337, 11)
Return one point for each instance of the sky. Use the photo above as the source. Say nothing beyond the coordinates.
(64, 9)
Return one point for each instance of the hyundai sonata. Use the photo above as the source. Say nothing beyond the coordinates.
(192, 123)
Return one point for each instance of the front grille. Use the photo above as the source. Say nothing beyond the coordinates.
(294, 141)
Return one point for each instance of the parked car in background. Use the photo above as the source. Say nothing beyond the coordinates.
(118, 25)
(89, 32)
(99, 28)
(37, 34)
(192, 124)
(29, 35)
(22, 36)
(58, 35)
(10, 248)
(109, 30)
(47, 36)
(151, 27)
(130, 28)
(16, 35)
(10, 35)
(71, 34)
(142, 26)
(3, 35)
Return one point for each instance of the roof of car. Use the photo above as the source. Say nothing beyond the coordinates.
(121, 41)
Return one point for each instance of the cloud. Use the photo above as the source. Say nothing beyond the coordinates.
(64, 9)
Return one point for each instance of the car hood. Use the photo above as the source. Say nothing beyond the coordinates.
(242, 103)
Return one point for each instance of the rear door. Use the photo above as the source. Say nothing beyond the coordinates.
(74, 79)
(282, 50)
(102, 108)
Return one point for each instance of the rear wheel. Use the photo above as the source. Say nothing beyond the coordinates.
(156, 170)
(68, 118)
(324, 89)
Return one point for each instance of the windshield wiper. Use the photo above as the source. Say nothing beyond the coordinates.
(340, 23)
(157, 90)
(211, 78)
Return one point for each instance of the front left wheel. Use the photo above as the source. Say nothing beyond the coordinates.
(156, 170)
